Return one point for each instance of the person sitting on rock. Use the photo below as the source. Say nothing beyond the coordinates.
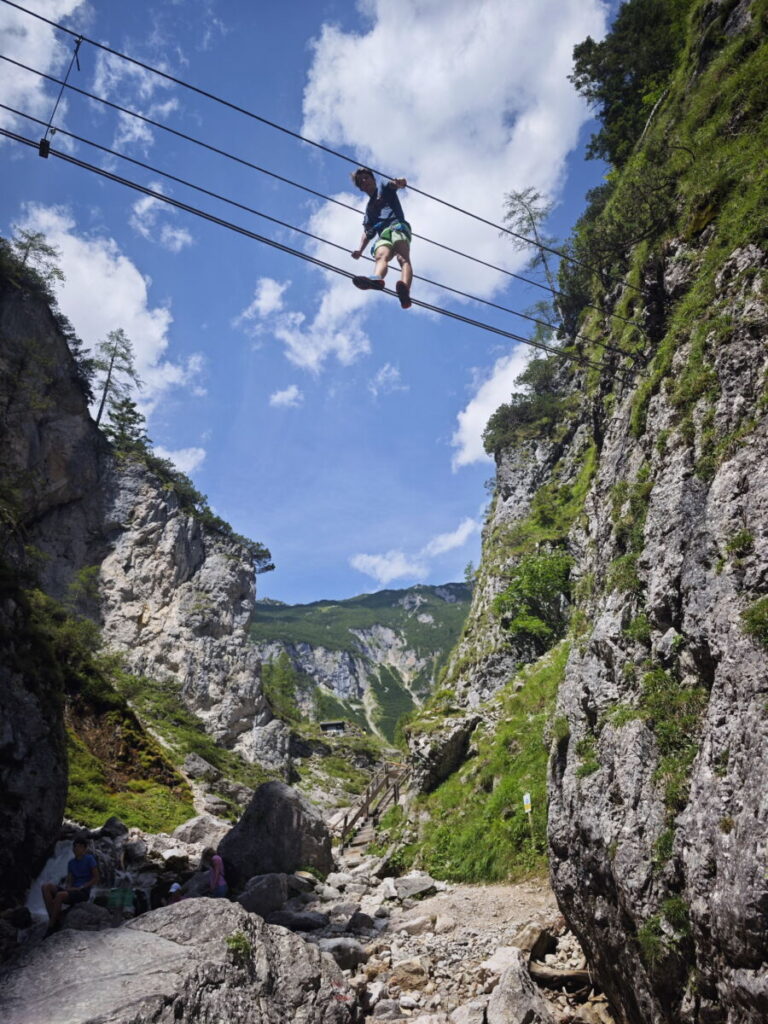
(82, 875)
(217, 883)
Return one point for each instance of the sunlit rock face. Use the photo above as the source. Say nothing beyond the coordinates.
(177, 599)
(658, 822)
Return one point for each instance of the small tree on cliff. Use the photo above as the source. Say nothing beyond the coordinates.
(116, 365)
(33, 251)
(126, 428)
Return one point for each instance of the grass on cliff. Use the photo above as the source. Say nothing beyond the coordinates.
(478, 830)
(161, 706)
(115, 766)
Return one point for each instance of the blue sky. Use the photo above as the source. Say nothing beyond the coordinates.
(329, 424)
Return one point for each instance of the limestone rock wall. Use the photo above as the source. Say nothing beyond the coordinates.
(658, 820)
(177, 599)
(51, 458)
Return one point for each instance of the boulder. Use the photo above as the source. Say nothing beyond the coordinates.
(215, 806)
(417, 925)
(198, 885)
(299, 920)
(437, 754)
(197, 962)
(339, 880)
(279, 831)
(410, 973)
(516, 998)
(502, 959)
(470, 1013)
(113, 828)
(87, 917)
(347, 953)
(360, 922)
(135, 851)
(204, 829)
(417, 883)
(387, 1009)
(264, 894)
(197, 767)
(301, 882)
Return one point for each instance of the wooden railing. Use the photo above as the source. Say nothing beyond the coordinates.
(382, 792)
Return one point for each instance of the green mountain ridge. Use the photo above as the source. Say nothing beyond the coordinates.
(371, 659)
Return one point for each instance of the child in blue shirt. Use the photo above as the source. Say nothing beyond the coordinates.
(82, 875)
(384, 218)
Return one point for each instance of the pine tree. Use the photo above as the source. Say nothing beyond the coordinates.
(126, 428)
(115, 363)
(32, 250)
(525, 213)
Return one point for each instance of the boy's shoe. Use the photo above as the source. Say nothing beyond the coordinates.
(365, 283)
(404, 294)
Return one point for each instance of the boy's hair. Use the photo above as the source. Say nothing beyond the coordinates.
(80, 841)
(360, 171)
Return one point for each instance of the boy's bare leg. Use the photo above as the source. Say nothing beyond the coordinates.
(49, 891)
(403, 251)
(382, 256)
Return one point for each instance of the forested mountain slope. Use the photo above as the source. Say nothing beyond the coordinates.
(372, 658)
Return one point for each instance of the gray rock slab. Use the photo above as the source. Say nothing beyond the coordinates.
(204, 829)
(470, 1013)
(173, 966)
(418, 883)
(516, 998)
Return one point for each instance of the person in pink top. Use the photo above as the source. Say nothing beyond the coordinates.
(217, 883)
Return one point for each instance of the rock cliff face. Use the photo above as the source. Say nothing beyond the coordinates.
(174, 596)
(51, 458)
(657, 831)
(658, 818)
(177, 599)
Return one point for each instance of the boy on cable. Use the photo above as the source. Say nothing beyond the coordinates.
(384, 218)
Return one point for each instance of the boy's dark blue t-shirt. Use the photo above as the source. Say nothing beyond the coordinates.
(81, 871)
(382, 210)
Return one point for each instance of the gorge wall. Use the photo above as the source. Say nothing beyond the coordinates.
(110, 539)
(647, 479)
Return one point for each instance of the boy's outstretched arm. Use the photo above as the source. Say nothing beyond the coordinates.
(359, 250)
(399, 182)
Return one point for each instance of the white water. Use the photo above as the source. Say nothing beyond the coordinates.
(54, 871)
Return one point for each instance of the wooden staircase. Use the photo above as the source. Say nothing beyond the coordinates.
(358, 826)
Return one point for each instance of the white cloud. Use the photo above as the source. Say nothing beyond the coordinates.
(267, 299)
(480, 105)
(490, 394)
(396, 564)
(185, 459)
(386, 380)
(450, 541)
(332, 332)
(39, 45)
(393, 565)
(146, 220)
(289, 398)
(95, 266)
